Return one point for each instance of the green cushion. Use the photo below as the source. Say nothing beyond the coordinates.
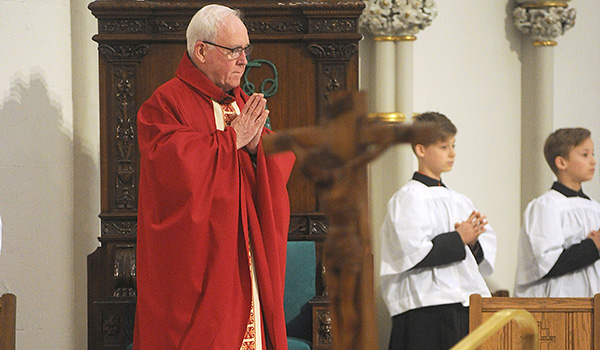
(129, 347)
(300, 274)
(298, 344)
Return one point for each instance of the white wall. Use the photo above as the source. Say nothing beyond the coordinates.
(36, 170)
(86, 156)
(467, 65)
(48, 167)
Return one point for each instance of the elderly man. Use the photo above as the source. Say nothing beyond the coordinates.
(213, 209)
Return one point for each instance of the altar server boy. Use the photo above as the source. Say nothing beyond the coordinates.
(435, 249)
(560, 238)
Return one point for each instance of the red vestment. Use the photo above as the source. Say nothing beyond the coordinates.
(199, 200)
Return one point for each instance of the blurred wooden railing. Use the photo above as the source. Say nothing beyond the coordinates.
(523, 318)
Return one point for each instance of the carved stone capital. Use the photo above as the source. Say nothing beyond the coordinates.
(397, 17)
(544, 21)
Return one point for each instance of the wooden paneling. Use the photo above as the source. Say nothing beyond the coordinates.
(564, 323)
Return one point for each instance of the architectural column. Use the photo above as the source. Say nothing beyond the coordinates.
(404, 100)
(394, 24)
(542, 22)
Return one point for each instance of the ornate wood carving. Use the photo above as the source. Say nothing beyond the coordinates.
(276, 26)
(167, 26)
(116, 325)
(333, 75)
(325, 337)
(333, 51)
(125, 112)
(111, 327)
(122, 26)
(318, 226)
(332, 61)
(122, 60)
(123, 52)
(124, 271)
(302, 226)
(333, 26)
(119, 228)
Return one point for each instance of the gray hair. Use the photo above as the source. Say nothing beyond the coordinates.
(205, 24)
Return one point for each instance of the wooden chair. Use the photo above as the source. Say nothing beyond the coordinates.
(307, 308)
(8, 315)
(564, 323)
(300, 289)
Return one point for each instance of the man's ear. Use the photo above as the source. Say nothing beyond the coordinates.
(200, 51)
(560, 162)
(419, 150)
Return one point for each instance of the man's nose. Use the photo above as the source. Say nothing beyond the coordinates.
(243, 59)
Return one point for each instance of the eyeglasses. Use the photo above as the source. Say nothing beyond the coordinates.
(234, 53)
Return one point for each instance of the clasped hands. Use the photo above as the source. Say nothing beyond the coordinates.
(249, 124)
(595, 236)
(470, 229)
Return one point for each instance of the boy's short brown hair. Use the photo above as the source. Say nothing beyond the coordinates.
(561, 142)
(442, 128)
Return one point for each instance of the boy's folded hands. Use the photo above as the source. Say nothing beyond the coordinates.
(470, 229)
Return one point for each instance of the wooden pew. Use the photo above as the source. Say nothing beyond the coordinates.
(564, 323)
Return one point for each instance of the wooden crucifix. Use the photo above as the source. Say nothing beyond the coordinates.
(334, 156)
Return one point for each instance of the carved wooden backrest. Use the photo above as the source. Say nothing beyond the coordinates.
(564, 323)
(313, 47)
